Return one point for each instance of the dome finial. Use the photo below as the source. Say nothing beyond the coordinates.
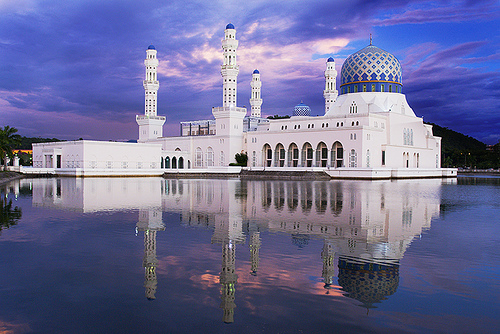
(370, 39)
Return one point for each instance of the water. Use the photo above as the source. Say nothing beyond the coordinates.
(151, 255)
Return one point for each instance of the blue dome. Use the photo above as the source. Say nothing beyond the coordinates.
(371, 69)
(230, 26)
(301, 109)
(151, 47)
(256, 72)
(330, 60)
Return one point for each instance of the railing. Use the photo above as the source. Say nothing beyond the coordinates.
(140, 117)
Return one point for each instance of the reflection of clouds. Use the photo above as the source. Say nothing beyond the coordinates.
(11, 328)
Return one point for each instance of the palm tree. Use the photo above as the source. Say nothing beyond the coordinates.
(8, 139)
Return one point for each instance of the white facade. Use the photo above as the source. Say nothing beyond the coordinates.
(368, 131)
(96, 158)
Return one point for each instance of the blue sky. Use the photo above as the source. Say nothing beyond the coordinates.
(71, 69)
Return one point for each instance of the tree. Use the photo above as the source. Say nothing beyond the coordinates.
(8, 139)
(241, 159)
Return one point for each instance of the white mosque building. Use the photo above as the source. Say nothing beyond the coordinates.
(368, 130)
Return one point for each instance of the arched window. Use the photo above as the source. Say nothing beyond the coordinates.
(222, 159)
(174, 163)
(210, 157)
(167, 162)
(353, 159)
(198, 158)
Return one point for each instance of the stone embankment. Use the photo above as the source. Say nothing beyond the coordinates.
(9, 176)
(479, 171)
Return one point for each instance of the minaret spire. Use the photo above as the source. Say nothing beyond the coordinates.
(150, 124)
(255, 99)
(151, 83)
(230, 67)
(370, 39)
(330, 93)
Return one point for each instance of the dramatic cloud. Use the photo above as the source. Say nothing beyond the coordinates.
(75, 69)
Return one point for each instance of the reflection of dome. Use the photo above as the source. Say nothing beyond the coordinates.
(151, 47)
(368, 283)
(230, 26)
(371, 67)
(301, 110)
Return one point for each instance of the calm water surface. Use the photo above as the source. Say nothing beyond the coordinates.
(228, 256)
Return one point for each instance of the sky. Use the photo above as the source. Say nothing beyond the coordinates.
(74, 69)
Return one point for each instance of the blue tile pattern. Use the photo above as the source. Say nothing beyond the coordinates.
(302, 110)
(372, 65)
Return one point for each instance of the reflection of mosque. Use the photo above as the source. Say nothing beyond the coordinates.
(366, 226)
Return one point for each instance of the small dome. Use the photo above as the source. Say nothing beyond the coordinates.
(371, 67)
(330, 60)
(151, 47)
(302, 109)
(256, 72)
(230, 26)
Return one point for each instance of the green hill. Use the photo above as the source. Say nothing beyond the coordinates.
(460, 150)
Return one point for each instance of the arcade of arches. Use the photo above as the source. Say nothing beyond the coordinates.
(305, 156)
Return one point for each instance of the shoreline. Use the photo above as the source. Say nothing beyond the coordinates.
(6, 177)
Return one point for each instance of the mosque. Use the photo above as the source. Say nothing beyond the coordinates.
(368, 130)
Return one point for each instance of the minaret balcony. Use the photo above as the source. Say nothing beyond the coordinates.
(145, 117)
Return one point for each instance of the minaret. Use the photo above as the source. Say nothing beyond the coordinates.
(256, 100)
(230, 67)
(330, 93)
(229, 117)
(150, 125)
(228, 279)
(150, 83)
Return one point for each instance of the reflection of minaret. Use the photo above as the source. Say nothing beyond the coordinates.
(254, 252)
(150, 221)
(228, 279)
(328, 256)
(229, 232)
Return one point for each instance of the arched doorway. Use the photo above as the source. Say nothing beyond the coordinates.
(174, 162)
(321, 155)
(268, 155)
(337, 155)
(293, 155)
(181, 163)
(279, 156)
(307, 155)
